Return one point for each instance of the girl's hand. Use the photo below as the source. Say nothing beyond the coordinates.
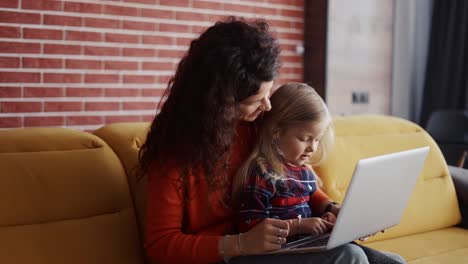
(268, 235)
(315, 225)
(329, 217)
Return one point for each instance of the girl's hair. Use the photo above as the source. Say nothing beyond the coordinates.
(291, 104)
(195, 127)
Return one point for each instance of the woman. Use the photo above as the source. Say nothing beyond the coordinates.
(199, 139)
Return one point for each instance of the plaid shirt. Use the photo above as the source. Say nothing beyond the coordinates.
(286, 198)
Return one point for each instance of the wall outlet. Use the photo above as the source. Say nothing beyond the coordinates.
(359, 97)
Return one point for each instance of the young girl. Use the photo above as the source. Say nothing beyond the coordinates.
(277, 180)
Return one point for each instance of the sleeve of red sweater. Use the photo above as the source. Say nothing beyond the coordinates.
(164, 240)
(318, 199)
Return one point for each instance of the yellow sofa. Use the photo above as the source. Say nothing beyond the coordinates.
(74, 197)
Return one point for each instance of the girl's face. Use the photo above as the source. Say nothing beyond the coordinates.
(251, 107)
(298, 142)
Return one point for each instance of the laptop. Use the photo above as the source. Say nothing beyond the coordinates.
(376, 199)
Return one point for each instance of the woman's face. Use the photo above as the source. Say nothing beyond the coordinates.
(251, 107)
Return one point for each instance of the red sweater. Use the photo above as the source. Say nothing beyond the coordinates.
(175, 236)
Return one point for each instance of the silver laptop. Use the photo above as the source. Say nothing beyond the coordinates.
(375, 200)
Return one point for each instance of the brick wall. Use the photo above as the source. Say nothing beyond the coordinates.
(82, 63)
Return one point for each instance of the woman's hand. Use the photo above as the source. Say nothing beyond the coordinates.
(268, 235)
(329, 217)
(315, 225)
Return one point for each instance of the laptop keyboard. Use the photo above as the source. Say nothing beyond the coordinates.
(316, 243)
(308, 241)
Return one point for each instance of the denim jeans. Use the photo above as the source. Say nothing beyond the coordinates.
(346, 254)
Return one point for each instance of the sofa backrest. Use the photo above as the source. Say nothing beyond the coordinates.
(433, 203)
(126, 140)
(64, 198)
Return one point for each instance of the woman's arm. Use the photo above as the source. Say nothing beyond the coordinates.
(164, 241)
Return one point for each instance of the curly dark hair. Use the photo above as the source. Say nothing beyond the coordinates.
(196, 124)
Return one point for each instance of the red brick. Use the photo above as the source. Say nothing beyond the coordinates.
(42, 63)
(174, 2)
(121, 65)
(42, 5)
(82, 7)
(101, 23)
(84, 92)
(121, 10)
(9, 62)
(82, 64)
(20, 77)
(102, 106)
(62, 78)
(171, 53)
(137, 25)
(198, 29)
(159, 66)
(101, 78)
(11, 122)
(265, 11)
(161, 14)
(62, 49)
(280, 23)
(39, 121)
(122, 38)
(139, 79)
(161, 40)
(83, 36)
(135, 52)
(84, 120)
(62, 20)
(63, 106)
(151, 2)
(174, 28)
(44, 92)
(207, 5)
(9, 3)
(238, 8)
(35, 33)
(292, 13)
(292, 59)
(290, 35)
(122, 92)
(190, 16)
(20, 18)
(152, 92)
(183, 41)
(9, 32)
(10, 92)
(101, 51)
(20, 107)
(139, 106)
(164, 79)
(126, 118)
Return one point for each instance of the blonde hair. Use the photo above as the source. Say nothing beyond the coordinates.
(292, 104)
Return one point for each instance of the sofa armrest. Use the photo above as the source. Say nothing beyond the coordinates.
(460, 180)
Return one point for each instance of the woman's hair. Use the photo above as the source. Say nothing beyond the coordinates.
(291, 104)
(196, 124)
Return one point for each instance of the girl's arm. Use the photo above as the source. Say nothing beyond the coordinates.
(254, 201)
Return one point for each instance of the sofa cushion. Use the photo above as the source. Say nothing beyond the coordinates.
(447, 246)
(64, 198)
(433, 203)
